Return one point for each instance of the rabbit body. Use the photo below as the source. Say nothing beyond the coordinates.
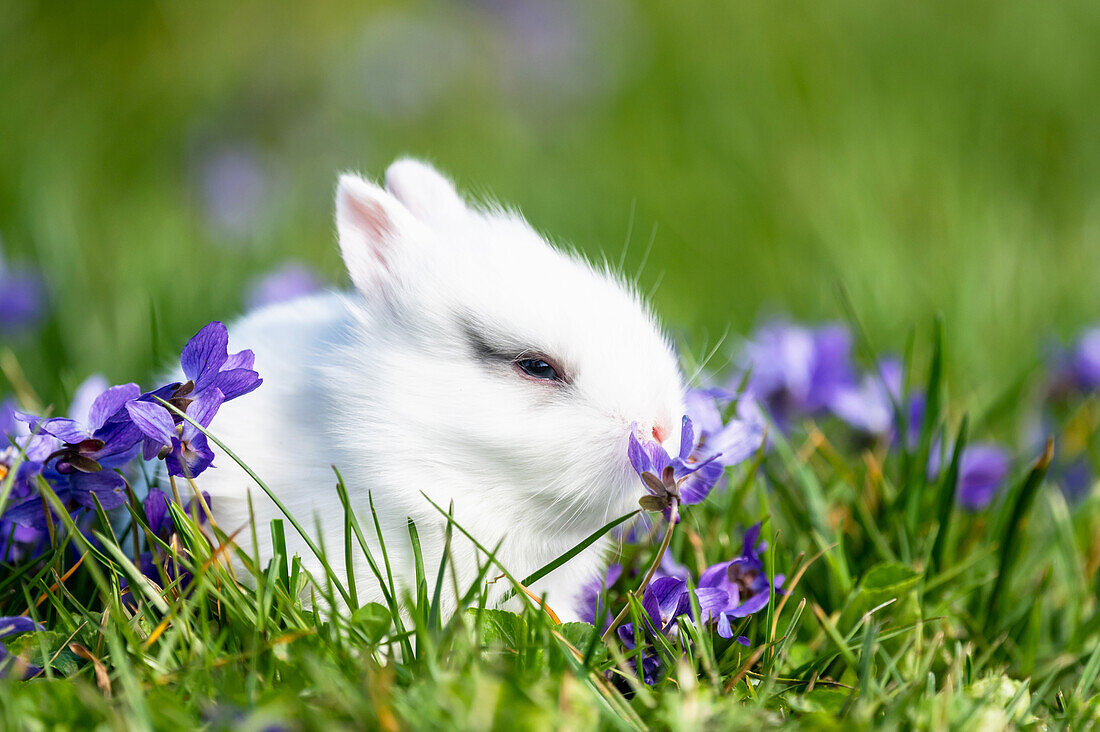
(472, 363)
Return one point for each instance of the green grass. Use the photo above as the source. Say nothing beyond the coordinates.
(901, 611)
(931, 158)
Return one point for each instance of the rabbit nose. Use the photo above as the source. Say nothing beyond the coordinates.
(667, 437)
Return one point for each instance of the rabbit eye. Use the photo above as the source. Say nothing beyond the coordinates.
(538, 368)
(503, 351)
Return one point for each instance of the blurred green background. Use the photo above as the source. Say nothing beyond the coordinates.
(938, 156)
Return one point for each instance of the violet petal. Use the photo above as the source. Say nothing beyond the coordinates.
(153, 420)
(205, 353)
(109, 402)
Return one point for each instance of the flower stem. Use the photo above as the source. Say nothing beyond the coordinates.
(49, 521)
(673, 519)
(138, 509)
(175, 491)
(198, 497)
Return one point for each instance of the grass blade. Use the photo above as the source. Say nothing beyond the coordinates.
(270, 494)
(580, 547)
(1020, 503)
(435, 614)
(916, 475)
(418, 561)
(945, 498)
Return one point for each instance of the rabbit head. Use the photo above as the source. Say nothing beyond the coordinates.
(493, 363)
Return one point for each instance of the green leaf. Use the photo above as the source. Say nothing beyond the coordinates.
(821, 699)
(28, 646)
(882, 583)
(580, 636)
(889, 579)
(500, 627)
(435, 613)
(374, 619)
(1088, 677)
(278, 546)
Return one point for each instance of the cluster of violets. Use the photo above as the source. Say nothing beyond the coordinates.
(84, 458)
(790, 373)
(795, 372)
(726, 593)
(1076, 374)
(89, 457)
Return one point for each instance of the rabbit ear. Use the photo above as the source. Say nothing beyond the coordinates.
(424, 191)
(375, 233)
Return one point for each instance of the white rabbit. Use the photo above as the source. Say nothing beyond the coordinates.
(473, 362)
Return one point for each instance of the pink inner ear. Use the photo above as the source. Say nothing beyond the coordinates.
(370, 218)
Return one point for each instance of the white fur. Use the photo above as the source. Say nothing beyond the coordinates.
(384, 384)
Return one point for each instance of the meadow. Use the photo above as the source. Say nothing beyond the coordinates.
(922, 180)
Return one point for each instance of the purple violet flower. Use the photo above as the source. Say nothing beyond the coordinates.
(185, 448)
(206, 362)
(93, 445)
(155, 564)
(8, 663)
(702, 459)
(983, 467)
(1076, 478)
(152, 419)
(214, 377)
(688, 477)
(797, 370)
(156, 512)
(726, 591)
(21, 298)
(93, 437)
(735, 441)
(591, 600)
(25, 454)
(233, 188)
(1075, 370)
(1085, 360)
(742, 581)
(665, 599)
(869, 405)
(16, 539)
(16, 437)
(289, 282)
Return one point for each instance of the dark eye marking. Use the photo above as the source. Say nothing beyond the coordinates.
(486, 350)
(500, 350)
